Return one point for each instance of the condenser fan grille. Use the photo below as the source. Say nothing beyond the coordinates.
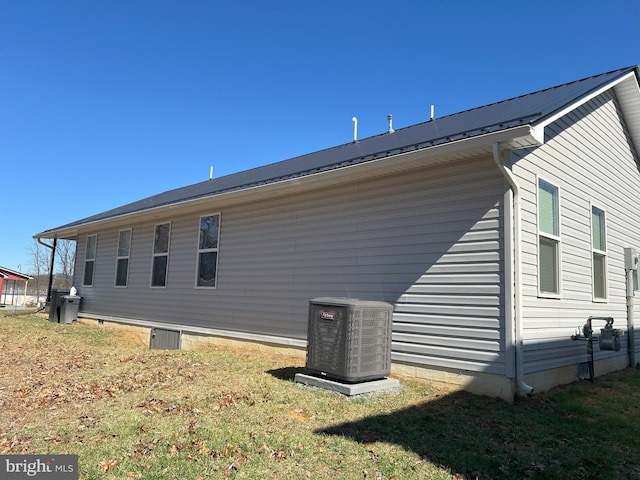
(349, 339)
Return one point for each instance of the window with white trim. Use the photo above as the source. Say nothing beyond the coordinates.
(208, 241)
(160, 255)
(122, 260)
(598, 253)
(89, 260)
(548, 239)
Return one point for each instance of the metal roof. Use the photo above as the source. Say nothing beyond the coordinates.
(8, 274)
(531, 109)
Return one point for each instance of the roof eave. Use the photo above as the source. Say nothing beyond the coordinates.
(629, 77)
(522, 136)
(627, 91)
(628, 94)
(8, 274)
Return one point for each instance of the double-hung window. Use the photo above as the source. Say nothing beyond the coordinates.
(89, 260)
(548, 239)
(208, 242)
(122, 261)
(160, 255)
(598, 254)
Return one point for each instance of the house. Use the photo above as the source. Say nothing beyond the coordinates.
(495, 233)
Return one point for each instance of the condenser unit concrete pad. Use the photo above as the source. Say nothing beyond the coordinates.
(348, 389)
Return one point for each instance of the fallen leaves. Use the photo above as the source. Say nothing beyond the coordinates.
(108, 465)
(64, 376)
(377, 475)
(278, 453)
(226, 400)
(43, 393)
(300, 414)
(147, 414)
(151, 406)
(14, 445)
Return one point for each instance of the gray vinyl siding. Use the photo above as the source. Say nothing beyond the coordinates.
(587, 154)
(428, 242)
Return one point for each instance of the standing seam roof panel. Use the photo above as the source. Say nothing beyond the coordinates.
(527, 109)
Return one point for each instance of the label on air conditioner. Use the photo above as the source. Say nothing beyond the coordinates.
(328, 315)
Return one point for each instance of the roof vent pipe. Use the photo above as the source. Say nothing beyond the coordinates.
(355, 129)
(390, 119)
(211, 173)
(433, 113)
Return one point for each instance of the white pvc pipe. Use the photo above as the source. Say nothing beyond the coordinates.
(514, 316)
(631, 343)
(355, 129)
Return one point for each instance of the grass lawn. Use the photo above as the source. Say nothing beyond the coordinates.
(129, 413)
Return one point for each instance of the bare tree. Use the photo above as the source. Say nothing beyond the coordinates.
(41, 264)
(65, 256)
(41, 258)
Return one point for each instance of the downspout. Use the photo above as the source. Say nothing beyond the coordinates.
(53, 259)
(513, 316)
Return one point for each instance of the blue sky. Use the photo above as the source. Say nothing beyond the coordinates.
(107, 102)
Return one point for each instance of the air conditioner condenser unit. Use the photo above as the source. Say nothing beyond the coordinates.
(349, 339)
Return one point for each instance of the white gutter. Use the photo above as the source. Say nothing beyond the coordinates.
(513, 316)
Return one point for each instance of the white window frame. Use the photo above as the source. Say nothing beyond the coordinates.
(126, 257)
(557, 239)
(92, 260)
(602, 253)
(201, 251)
(155, 254)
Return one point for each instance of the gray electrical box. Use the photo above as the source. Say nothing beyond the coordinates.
(630, 259)
(631, 265)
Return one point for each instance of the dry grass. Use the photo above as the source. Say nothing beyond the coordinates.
(129, 412)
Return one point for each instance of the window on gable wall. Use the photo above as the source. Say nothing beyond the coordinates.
(89, 260)
(160, 255)
(122, 261)
(548, 239)
(208, 251)
(599, 254)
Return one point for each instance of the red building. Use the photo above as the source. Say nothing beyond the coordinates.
(10, 278)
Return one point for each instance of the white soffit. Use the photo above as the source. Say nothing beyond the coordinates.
(628, 94)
